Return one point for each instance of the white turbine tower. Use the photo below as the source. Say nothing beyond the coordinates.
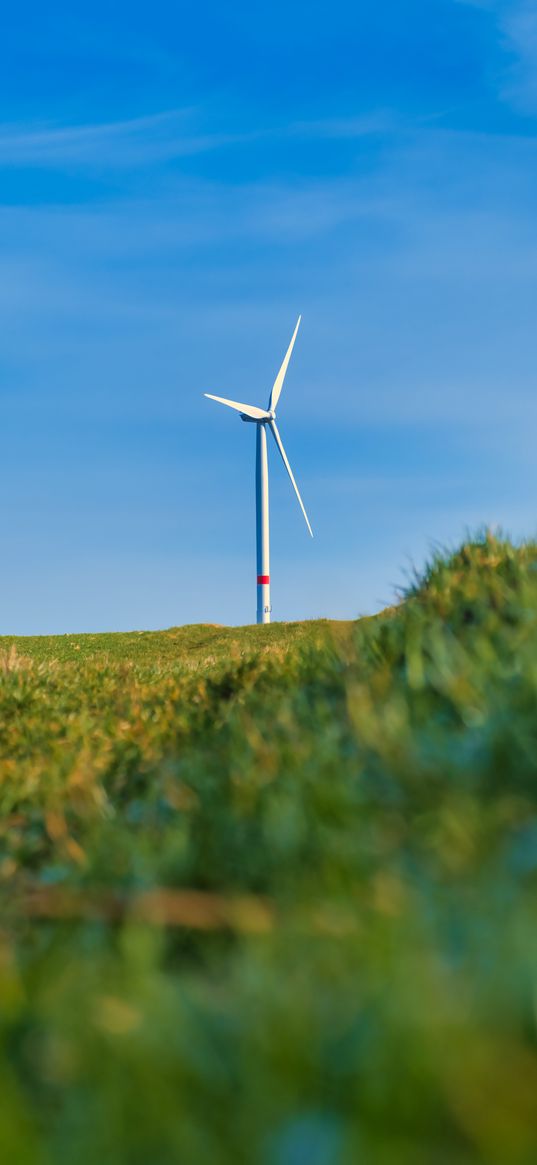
(261, 418)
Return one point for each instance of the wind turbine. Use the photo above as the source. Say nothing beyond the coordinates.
(263, 418)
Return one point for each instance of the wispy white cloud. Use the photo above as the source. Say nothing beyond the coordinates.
(157, 137)
(141, 140)
(381, 121)
(516, 22)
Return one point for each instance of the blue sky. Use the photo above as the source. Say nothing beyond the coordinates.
(177, 183)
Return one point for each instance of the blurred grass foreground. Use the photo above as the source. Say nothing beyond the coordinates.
(269, 895)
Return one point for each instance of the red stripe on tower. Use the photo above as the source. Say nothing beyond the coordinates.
(263, 578)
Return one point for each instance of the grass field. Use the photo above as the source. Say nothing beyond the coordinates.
(269, 895)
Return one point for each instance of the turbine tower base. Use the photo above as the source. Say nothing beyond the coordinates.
(263, 598)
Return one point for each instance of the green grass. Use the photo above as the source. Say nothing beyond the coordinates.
(270, 894)
(198, 645)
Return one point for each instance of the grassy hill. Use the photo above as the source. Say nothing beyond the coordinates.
(270, 894)
(199, 645)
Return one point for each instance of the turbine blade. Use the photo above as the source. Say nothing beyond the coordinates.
(249, 410)
(283, 455)
(278, 383)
